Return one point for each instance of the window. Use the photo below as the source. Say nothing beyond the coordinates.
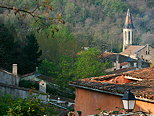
(128, 36)
(147, 52)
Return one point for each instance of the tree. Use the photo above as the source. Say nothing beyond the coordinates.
(62, 43)
(87, 64)
(30, 55)
(7, 44)
(48, 68)
(65, 74)
(40, 10)
(61, 71)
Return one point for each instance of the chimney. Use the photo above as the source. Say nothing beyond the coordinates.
(117, 62)
(36, 69)
(14, 69)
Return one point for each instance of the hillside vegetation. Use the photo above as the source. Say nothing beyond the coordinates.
(99, 23)
(56, 47)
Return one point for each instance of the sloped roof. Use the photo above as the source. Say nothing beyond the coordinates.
(143, 89)
(131, 50)
(33, 76)
(9, 73)
(146, 74)
(113, 57)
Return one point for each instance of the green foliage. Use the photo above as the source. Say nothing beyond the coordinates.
(29, 84)
(65, 65)
(111, 7)
(5, 103)
(61, 71)
(93, 23)
(29, 107)
(7, 44)
(31, 55)
(62, 43)
(48, 68)
(24, 107)
(25, 55)
(87, 64)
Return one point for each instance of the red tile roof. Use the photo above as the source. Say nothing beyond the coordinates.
(142, 89)
(145, 73)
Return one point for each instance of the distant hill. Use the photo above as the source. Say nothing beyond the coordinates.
(96, 23)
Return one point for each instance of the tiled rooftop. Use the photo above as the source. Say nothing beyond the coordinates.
(113, 57)
(131, 50)
(142, 89)
(146, 74)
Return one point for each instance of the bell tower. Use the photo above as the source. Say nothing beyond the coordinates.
(128, 31)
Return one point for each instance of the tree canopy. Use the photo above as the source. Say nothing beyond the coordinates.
(87, 64)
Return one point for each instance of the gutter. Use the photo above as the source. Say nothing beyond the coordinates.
(121, 95)
(78, 86)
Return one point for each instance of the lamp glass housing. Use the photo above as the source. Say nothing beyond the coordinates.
(128, 104)
(128, 100)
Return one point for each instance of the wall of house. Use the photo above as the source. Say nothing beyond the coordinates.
(8, 78)
(143, 54)
(88, 101)
(19, 91)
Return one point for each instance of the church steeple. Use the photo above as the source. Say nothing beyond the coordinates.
(128, 22)
(128, 31)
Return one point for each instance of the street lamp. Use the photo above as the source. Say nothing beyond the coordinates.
(128, 101)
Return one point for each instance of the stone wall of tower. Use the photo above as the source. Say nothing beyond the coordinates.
(128, 35)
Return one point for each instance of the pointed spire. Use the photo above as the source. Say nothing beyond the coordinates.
(128, 12)
(128, 22)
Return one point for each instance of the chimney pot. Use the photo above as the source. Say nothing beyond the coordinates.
(14, 69)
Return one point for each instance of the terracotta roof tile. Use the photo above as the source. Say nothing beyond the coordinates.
(145, 73)
(142, 89)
